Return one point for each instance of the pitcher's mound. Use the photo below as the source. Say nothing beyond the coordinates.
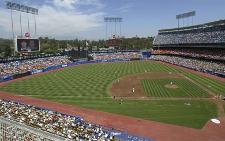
(171, 86)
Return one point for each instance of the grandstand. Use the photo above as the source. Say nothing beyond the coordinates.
(203, 47)
(11, 130)
(61, 79)
(205, 35)
(20, 121)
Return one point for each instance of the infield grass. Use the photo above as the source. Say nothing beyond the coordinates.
(215, 86)
(175, 112)
(185, 88)
(87, 86)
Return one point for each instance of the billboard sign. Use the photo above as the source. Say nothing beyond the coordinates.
(27, 45)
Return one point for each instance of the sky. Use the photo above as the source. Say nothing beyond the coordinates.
(84, 19)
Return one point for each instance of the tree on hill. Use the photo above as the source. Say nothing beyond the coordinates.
(6, 48)
(50, 46)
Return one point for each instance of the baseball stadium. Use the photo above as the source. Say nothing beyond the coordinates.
(168, 87)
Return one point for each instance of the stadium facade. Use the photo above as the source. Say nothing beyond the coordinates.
(210, 35)
(204, 43)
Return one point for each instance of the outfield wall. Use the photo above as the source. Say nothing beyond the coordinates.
(15, 76)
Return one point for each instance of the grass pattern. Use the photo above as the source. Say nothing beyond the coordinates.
(87, 86)
(156, 88)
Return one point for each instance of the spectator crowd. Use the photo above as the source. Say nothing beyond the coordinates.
(199, 35)
(199, 47)
(11, 132)
(22, 66)
(217, 54)
(69, 127)
(118, 56)
(190, 38)
(195, 64)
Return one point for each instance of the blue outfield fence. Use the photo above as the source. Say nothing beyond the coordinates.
(36, 71)
(118, 134)
(51, 68)
(8, 78)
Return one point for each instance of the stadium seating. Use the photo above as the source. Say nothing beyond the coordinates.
(211, 33)
(23, 66)
(19, 121)
(196, 64)
(63, 125)
(199, 47)
(214, 54)
(117, 56)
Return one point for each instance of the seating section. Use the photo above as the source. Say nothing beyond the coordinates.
(70, 127)
(19, 121)
(23, 66)
(211, 33)
(199, 47)
(117, 56)
(196, 64)
(214, 54)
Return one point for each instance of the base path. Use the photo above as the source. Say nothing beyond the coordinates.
(123, 87)
(193, 71)
(219, 103)
(154, 130)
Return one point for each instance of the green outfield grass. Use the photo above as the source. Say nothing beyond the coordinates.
(215, 86)
(167, 111)
(185, 88)
(87, 86)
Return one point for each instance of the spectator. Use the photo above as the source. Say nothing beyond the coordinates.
(199, 65)
(69, 127)
(17, 67)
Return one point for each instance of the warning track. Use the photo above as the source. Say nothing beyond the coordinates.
(151, 129)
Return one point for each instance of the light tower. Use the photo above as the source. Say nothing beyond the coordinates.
(26, 42)
(113, 23)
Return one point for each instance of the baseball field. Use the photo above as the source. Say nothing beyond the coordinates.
(143, 89)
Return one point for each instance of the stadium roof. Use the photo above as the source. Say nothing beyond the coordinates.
(206, 25)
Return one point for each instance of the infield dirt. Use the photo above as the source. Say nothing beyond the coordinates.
(151, 129)
(154, 130)
(123, 87)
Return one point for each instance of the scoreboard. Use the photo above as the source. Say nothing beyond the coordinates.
(27, 45)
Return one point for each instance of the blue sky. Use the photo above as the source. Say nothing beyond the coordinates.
(69, 19)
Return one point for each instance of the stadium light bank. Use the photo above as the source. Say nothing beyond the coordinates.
(185, 16)
(21, 8)
(24, 43)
